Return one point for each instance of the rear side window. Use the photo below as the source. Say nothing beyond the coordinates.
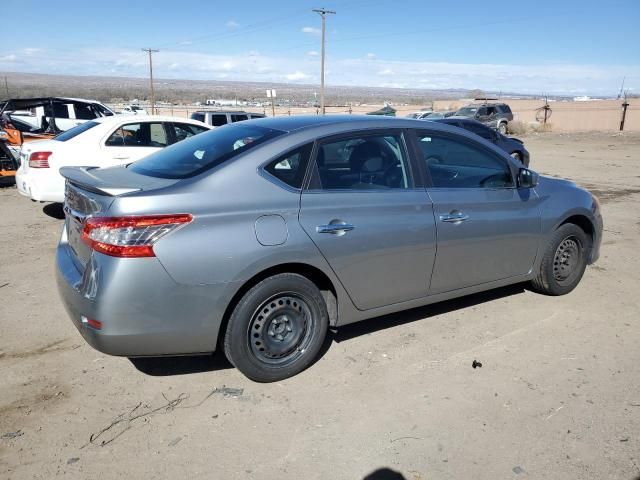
(455, 163)
(198, 116)
(291, 167)
(480, 130)
(138, 135)
(504, 109)
(203, 152)
(60, 110)
(239, 118)
(75, 131)
(217, 120)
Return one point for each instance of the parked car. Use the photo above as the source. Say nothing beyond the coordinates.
(133, 110)
(55, 114)
(494, 115)
(218, 118)
(256, 237)
(101, 143)
(420, 115)
(513, 146)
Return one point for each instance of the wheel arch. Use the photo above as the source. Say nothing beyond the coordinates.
(582, 221)
(312, 273)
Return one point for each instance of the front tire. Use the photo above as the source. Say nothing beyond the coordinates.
(564, 261)
(502, 128)
(277, 328)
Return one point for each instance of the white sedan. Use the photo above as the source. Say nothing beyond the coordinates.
(103, 142)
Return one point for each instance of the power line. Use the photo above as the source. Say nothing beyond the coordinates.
(323, 13)
(151, 51)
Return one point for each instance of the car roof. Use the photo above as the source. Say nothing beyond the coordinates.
(112, 119)
(457, 118)
(221, 111)
(334, 124)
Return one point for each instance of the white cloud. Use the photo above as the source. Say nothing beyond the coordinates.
(31, 51)
(232, 24)
(311, 30)
(185, 43)
(260, 67)
(297, 76)
(371, 55)
(313, 53)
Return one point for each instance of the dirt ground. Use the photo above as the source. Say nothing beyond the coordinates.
(557, 396)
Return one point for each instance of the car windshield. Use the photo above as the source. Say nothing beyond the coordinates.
(203, 152)
(467, 111)
(75, 131)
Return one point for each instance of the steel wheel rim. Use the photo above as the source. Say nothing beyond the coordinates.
(566, 260)
(280, 329)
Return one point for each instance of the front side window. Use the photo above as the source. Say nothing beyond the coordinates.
(362, 163)
(203, 152)
(183, 131)
(291, 167)
(138, 135)
(84, 112)
(454, 163)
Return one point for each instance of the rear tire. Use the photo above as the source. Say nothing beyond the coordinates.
(502, 128)
(277, 328)
(564, 261)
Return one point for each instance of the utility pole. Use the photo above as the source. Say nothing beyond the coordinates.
(6, 86)
(153, 99)
(323, 13)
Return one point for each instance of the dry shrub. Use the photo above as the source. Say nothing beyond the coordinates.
(520, 128)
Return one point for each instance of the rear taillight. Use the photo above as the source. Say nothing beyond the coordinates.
(129, 236)
(39, 160)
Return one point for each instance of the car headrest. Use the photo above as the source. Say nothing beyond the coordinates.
(363, 152)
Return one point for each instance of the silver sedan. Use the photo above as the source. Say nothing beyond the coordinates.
(257, 237)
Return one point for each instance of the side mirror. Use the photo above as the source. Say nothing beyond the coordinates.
(527, 178)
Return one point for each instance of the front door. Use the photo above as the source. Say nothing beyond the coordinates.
(488, 229)
(373, 227)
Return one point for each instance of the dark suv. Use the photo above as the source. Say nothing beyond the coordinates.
(513, 146)
(494, 115)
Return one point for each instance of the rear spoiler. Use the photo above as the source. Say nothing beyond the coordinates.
(84, 178)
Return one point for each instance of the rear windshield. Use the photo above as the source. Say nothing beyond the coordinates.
(75, 131)
(202, 152)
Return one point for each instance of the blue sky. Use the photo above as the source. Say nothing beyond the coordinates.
(574, 47)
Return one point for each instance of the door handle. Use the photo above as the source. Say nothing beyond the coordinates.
(454, 217)
(335, 228)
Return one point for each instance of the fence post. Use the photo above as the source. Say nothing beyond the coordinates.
(624, 113)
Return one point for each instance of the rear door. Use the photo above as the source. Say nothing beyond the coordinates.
(362, 210)
(488, 229)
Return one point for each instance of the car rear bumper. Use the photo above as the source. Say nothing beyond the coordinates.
(41, 185)
(142, 310)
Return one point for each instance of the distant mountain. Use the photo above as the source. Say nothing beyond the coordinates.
(123, 89)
